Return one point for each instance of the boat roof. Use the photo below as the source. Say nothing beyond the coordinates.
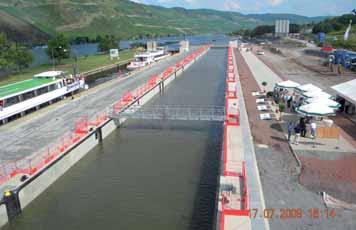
(49, 74)
(23, 86)
(150, 54)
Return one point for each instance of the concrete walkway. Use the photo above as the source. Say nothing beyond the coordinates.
(260, 71)
(257, 200)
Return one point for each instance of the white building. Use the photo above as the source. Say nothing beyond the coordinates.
(184, 46)
(281, 28)
(151, 46)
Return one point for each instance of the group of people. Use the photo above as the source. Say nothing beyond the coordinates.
(290, 100)
(300, 129)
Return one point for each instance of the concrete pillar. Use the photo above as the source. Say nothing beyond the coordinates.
(99, 134)
(12, 202)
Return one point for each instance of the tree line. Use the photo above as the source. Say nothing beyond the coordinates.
(334, 24)
(13, 56)
(263, 30)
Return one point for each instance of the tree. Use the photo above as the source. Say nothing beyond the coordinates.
(107, 42)
(23, 58)
(262, 30)
(281, 107)
(264, 84)
(58, 48)
(12, 55)
(294, 28)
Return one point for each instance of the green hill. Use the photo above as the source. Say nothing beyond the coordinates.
(335, 25)
(294, 18)
(124, 18)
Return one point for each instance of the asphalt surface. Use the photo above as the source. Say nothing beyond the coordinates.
(32, 135)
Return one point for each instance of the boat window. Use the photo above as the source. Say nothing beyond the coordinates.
(42, 90)
(11, 101)
(52, 87)
(28, 95)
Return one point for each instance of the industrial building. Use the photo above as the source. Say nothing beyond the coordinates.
(281, 28)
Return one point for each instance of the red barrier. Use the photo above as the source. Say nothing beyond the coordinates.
(127, 98)
(82, 126)
(153, 80)
(232, 119)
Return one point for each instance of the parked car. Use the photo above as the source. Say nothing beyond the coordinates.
(260, 52)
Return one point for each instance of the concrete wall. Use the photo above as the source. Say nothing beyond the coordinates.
(3, 215)
(33, 189)
(35, 185)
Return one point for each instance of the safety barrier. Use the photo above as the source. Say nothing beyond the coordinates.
(232, 204)
(29, 166)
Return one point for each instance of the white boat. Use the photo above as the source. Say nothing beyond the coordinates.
(143, 59)
(43, 89)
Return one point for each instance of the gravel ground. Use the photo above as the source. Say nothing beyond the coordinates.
(277, 168)
(304, 69)
(29, 135)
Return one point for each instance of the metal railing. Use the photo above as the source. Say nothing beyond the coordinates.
(173, 112)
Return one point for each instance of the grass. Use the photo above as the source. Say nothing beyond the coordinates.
(84, 64)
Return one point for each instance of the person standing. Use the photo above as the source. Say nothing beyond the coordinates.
(313, 129)
(297, 131)
(303, 127)
(289, 101)
(290, 129)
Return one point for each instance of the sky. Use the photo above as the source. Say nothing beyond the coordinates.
(301, 7)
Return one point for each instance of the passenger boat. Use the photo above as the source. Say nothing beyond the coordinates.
(43, 89)
(144, 59)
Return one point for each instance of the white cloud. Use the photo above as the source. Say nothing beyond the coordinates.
(232, 5)
(274, 2)
(137, 1)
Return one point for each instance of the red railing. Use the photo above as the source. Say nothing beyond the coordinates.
(244, 209)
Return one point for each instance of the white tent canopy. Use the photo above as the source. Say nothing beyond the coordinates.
(316, 94)
(347, 90)
(307, 88)
(325, 101)
(315, 109)
(287, 84)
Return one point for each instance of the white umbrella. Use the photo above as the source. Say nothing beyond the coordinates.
(316, 94)
(307, 88)
(325, 101)
(315, 109)
(287, 84)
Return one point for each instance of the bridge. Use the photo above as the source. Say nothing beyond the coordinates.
(173, 112)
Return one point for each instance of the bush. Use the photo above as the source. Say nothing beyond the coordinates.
(281, 107)
(270, 94)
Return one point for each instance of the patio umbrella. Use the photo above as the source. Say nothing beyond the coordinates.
(325, 101)
(287, 84)
(315, 109)
(307, 88)
(316, 94)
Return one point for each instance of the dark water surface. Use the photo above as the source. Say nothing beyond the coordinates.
(148, 174)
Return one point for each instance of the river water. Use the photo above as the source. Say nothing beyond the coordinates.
(148, 174)
(40, 56)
